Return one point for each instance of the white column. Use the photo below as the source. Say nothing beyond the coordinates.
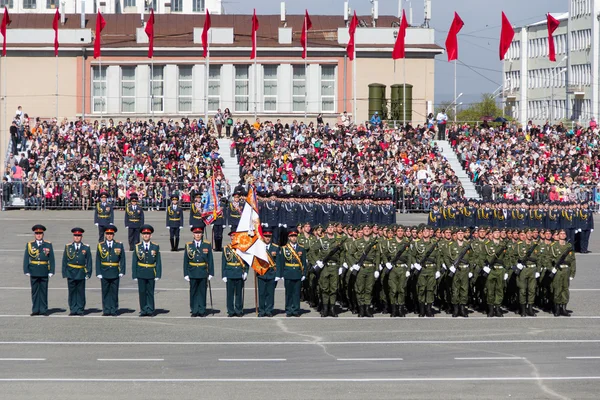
(198, 74)
(284, 88)
(170, 84)
(113, 89)
(313, 88)
(142, 89)
(595, 57)
(524, 78)
(227, 88)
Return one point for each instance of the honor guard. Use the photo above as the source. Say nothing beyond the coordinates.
(527, 272)
(198, 269)
(328, 267)
(174, 222)
(77, 268)
(196, 212)
(291, 268)
(217, 231)
(459, 272)
(562, 273)
(367, 258)
(266, 282)
(234, 211)
(146, 268)
(426, 260)
(134, 219)
(234, 272)
(38, 265)
(495, 273)
(110, 267)
(395, 255)
(104, 215)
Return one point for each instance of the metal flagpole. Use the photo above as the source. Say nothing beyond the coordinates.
(3, 137)
(207, 67)
(404, 90)
(56, 96)
(305, 71)
(105, 88)
(455, 100)
(152, 86)
(354, 87)
(393, 113)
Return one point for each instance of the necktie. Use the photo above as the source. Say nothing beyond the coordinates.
(77, 247)
(110, 245)
(39, 243)
(146, 247)
(197, 246)
(133, 208)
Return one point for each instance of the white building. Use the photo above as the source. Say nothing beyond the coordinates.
(113, 6)
(539, 90)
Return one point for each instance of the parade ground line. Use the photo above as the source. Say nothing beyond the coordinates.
(370, 359)
(22, 359)
(131, 359)
(487, 358)
(584, 358)
(252, 359)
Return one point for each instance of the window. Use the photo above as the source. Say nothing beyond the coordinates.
(185, 88)
(148, 5)
(29, 4)
(197, 5)
(327, 88)
(52, 4)
(214, 87)
(270, 88)
(127, 89)
(176, 5)
(99, 89)
(4, 3)
(158, 89)
(129, 3)
(241, 87)
(298, 88)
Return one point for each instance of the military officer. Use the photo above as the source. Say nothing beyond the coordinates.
(217, 232)
(77, 268)
(146, 268)
(134, 219)
(104, 215)
(495, 254)
(38, 265)
(328, 270)
(266, 282)
(196, 212)
(234, 272)
(459, 271)
(564, 269)
(435, 216)
(110, 267)
(426, 260)
(527, 271)
(174, 221)
(367, 258)
(396, 257)
(291, 268)
(234, 211)
(198, 269)
(585, 226)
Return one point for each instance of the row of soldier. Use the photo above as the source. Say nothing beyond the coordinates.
(577, 219)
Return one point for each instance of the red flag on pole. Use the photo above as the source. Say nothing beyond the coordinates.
(506, 36)
(55, 23)
(150, 33)
(553, 23)
(255, 27)
(351, 32)
(5, 23)
(304, 37)
(400, 47)
(205, 34)
(452, 40)
(100, 24)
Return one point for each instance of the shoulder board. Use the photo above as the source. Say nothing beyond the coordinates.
(416, 240)
(117, 242)
(101, 242)
(32, 242)
(47, 241)
(208, 243)
(154, 243)
(487, 241)
(188, 243)
(273, 244)
(85, 244)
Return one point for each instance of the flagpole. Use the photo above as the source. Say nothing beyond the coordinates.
(404, 90)
(207, 67)
(56, 98)
(255, 87)
(3, 138)
(455, 91)
(105, 88)
(354, 87)
(152, 85)
(305, 71)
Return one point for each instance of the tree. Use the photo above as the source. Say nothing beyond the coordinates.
(448, 106)
(484, 109)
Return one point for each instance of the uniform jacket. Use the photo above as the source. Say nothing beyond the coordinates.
(146, 264)
(110, 262)
(174, 217)
(232, 266)
(38, 261)
(198, 262)
(291, 264)
(134, 218)
(77, 264)
(104, 215)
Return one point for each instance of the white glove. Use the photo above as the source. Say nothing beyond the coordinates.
(389, 265)
(135, 279)
(284, 225)
(418, 267)
(320, 264)
(437, 275)
(281, 279)
(487, 270)
(591, 230)
(537, 275)
(453, 270)
(570, 278)
(245, 276)
(407, 274)
(280, 225)
(225, 280)
(356, 267)
(156, 279)
(412, 266)
(28, 274)
(505, 276)
(380, 267)
(277, 278)
(50, 275)
(554, 270)
(187, 278)
(168, 228)
(87, 277)
(191, 226)
(210, 277)
(345, 265)
(181, 227)
(520, 266)
(470, 275)
(340, 270)
(96, 224)
(376, 274)
(99, 276)
(444, 266)
(302, 279)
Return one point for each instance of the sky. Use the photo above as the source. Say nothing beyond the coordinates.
(477, 42)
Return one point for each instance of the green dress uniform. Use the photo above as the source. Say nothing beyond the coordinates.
(104, 216)
(428, 271)
(76, 268)
(329, 272)
(311, 282)
(266, 284)
(477, 262)
(497, 274)
(398, 273)
(528, 272)
(198, 266)
(365, 279)
(110, 267)
(234, 272)
(563, 274)
(146, 267)
(459, 275)
(38, 264)
(291, 267)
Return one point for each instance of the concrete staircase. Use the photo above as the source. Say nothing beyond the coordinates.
(231, 169)
(448, 152)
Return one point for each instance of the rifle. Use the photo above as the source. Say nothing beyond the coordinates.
(459, 259)
(397, 256)
(524, 259)
(496, 255)
(362, 259)
(329, 255)
(428, 253)
(560, 261)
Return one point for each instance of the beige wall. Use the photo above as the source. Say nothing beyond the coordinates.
(419, 73)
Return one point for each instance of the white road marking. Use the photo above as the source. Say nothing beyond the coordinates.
(584, 358)
(370, 359)
(488, 358)
(22, 359)
(316, 380)
(252, 359)
(131, 359)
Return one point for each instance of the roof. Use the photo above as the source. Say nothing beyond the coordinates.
(559, 16)
(176, 30)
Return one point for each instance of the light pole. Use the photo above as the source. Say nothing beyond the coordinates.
(454, 104)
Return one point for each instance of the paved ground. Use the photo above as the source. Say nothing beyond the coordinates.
(174, 356)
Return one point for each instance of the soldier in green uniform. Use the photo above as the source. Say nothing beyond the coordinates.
(426, 260)
(458, 254)
(495, 253)
(545, 263)
(445, 282)
(234, 272)
(38, 265)
(146, 269)
(198, 269)
(306, 240)
(266, 281)
(104, 215)
(396, 254)
(564, 269)
(477, 262)
(291, 268)
(328, 270)
(367, 251)
(313, 282)
(134, 219)
(77, 268)
(196, 212)
(527, 272)
(110, 267)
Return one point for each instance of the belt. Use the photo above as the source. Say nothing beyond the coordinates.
(134, 220)
(498, 266)
(76, 266)
(403, 265)
(202, 264)
(103, 216)
(531, 266)
(110, 264)
(292, 265)
(564, 266)
(331, 263)
(174, 219)
(430, 265)
(147, 265)
(368, 265)
(38, 262)
(463, 266)
(236, 265)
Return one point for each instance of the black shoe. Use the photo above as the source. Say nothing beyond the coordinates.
(324, 310)
(361, 311)
(498, 311)
(80, 314)
(332, 311)
(230, 315)
(239, 315)
(421, 310)
(401, 311)
(298, 315)
(384, 308)
(288, 315)
(563, 310)
(464, 311)
(455, 312)
(523, 312)
(270, 315)
(260, 315)
(490, 311)
(368, 312)
(142, 314)
(33, 314)
(429, 310)
(530, 311)
(72, 314)
(194, 315)
(556, 311)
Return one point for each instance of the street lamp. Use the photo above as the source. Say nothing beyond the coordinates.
(454, 103)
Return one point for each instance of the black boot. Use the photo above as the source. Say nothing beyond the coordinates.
(523, 312)
(429, 310)
(421, 310)
(332, 311)
(463, 311)
(402, 311)
(490, 311)
(172, 244)
(530, 311)
(368, 312)
(498, 311)
(563, 310)
(361, 311)
(455, 312)
(324, 310)
(384, 307)
(556, 311)
(177, 244)
(394, 310)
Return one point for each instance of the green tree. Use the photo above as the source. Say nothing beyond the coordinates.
(477, 111)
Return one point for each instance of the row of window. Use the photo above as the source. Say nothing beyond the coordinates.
(580, 8)
(539, 47)
(581, 39)
(540, 110)
(176, 5)
(512, 80)
(545, 78)
(185, 88)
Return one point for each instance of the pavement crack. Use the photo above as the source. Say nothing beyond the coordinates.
(540, 382)
(314, 339)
